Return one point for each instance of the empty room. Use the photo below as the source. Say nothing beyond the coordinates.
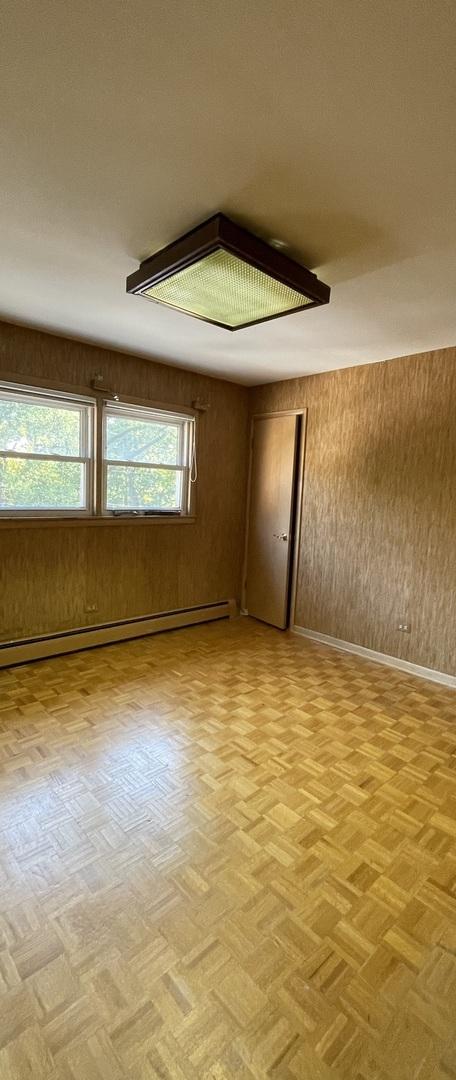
(228, 540)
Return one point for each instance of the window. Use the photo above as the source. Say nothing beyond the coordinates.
(147, 460)
(68, 456)
(45, 453)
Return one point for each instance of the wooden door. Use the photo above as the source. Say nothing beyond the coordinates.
(270, 519)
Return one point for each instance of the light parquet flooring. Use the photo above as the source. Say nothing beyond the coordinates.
(226, 852)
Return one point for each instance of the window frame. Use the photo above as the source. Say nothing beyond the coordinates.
(150, 413)
(61, 400)
(94, 410)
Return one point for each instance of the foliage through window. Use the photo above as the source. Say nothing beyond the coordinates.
(147, 459)
(45, 449)
(48, 464)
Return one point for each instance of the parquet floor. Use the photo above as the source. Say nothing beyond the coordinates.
(226, 852)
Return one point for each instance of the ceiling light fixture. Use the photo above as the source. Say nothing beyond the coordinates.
(223, 274)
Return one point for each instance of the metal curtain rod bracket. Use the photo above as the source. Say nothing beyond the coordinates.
(97, 384)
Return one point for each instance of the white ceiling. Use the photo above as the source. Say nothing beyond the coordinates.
(328, 125)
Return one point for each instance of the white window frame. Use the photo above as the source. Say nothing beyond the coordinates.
(87, 409)
(186, 424)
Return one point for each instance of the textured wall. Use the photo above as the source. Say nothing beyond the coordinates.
(378, 541)
(49, 574)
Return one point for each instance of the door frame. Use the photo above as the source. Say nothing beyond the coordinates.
(298, 492)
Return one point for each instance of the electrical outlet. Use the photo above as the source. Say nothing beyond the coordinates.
(89, 608)
(404, 627)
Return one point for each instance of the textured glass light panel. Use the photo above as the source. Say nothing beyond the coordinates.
(227, 290)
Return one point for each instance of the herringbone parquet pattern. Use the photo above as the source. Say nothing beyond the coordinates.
(226, 852)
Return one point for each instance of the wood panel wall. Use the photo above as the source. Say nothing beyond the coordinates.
(48, 575)
(378, 541)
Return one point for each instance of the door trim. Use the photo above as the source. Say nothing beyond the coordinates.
(299, 492)
(298, 489)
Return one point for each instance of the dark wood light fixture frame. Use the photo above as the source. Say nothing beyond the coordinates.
(218, 232)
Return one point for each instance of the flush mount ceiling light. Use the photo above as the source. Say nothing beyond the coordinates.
(223, 274)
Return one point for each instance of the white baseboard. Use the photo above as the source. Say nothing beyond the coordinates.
(22, 651)
(378, 657)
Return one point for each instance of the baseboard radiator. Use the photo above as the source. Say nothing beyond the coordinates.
(37, 648)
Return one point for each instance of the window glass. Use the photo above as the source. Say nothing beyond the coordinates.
(48, 464)
(128, 439)
(30, 484)
(143, 489)
(153, 456)
(38, 428)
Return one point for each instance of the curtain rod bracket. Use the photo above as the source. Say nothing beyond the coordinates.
(97, 384)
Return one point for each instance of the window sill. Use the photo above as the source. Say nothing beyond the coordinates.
(91, 522)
